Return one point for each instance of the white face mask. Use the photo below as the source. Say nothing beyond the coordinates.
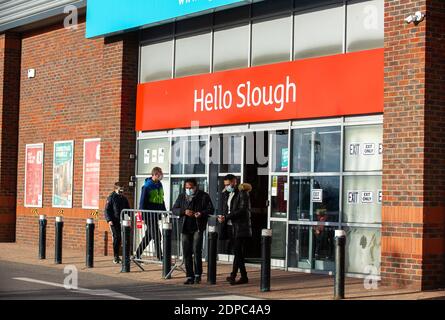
(189, 192)
(230, 188)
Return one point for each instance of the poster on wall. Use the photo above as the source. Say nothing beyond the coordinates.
(34, 175)
(63, 174)
(91, 173)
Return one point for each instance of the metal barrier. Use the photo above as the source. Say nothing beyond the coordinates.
(147, 240)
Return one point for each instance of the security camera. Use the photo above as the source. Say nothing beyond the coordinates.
(409, 19)
(416, 18)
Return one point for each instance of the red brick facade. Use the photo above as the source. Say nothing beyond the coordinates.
(10, 44)
(87, 88)
(82, 89)
(414, 160)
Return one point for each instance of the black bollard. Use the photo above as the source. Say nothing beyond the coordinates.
(211, 265)
(90, 243)
(167, 255)
(58, 240)
(266, 253)
(42, 237)
(339, 284)
(126, 238)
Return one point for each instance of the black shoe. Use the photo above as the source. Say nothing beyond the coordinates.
(117, 260)
(198, 279)
(242, 281)
(189, 281)
(230, 280)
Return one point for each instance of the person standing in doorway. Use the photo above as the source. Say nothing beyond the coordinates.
(236, 211)
(193, 207)
(152, 199)
(116, 202)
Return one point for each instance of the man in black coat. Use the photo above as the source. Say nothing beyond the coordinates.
(116, 202)
(236, 211)
(194, 207)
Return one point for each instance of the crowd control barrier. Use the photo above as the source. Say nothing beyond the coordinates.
(147, 240)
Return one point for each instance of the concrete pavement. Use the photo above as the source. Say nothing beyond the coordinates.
(20, 261)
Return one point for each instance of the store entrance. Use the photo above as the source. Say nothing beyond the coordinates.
(245, 155)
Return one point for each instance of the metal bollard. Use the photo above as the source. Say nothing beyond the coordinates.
(126, 237)
(339, 284)
(58, 240)
(167, 256)
(90, 243)
(266, 253)
(42, 237)
(212, 247)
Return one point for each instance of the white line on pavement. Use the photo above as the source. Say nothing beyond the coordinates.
(102, 292)
(228, 297)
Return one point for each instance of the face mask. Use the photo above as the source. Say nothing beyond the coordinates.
(119, 191)
(189, 192)
(229, 188)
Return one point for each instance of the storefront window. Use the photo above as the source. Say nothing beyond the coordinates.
(278, 250)
(319, 147)
(311, 247)
(299, 247)
(279, 195)
(362, 199)
(156, 61)
(280, 155)
(363, 148)
(271, 41)
(193, 55)
(301, 146)
(323, 239)
(153, 153)
(231, 153)
(314, 199)
(363, 250)
(231, 48)
(365, 25)
(177, 186)
(189, 155)
(319, 33)
(300, 198)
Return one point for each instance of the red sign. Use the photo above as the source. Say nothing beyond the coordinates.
(91, 171)
(338, 85)
(34, 175)
(139, 221)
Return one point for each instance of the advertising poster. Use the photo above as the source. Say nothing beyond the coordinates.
(34, 175)
(91, 173)
(63, 174)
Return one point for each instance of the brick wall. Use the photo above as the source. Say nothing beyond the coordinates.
(83, 89)
(10, 46)
(413, 163)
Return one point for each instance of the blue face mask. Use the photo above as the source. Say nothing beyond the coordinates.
(230, 189)
(189, 192)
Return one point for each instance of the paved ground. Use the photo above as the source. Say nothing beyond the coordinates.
(23, 276)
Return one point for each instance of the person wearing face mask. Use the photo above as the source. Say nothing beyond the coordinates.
(116, 202)
(152, 198)
(193, 207)
(236, 212)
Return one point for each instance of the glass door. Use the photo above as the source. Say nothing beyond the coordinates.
(226, 157)
(314, 197)
(278, 194)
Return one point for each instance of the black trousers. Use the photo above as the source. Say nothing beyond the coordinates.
(239, 250)
(192, 251)
(152, 233)
(117, 237)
